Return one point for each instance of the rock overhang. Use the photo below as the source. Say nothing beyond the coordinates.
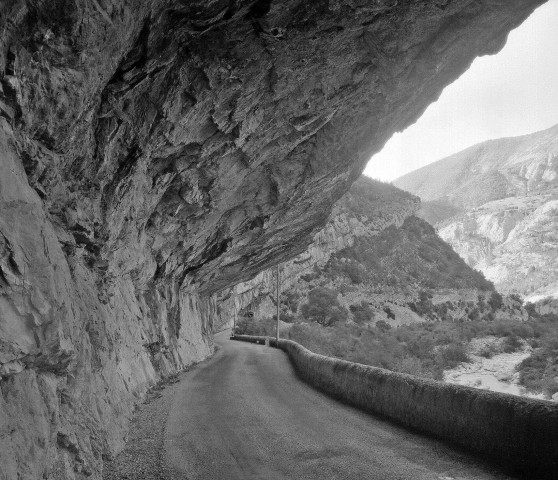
(154, 153)
(215, 136)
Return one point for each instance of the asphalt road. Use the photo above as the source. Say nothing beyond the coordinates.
(245, 415)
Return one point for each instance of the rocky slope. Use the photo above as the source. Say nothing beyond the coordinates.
(507, 167)
(500, 209)
(387, 206)
(513, 241)
(374, 253)
(156, 153)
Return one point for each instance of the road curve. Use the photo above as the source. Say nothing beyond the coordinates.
(245, 415)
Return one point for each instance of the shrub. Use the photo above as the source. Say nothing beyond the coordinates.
(308, 277)
(474, 314)
(511, 344)
(531, 310)
(531, 371)
(252, 326)
(487, 352)
(425, 349)
(516, 298)
(383, 325)
(290, 299)
(421, 346)
(453, 354)
(539, 372)
(323, 307)
(389, 312)
(495, 301)
(362, 312)
(286, 317)
(413, 366)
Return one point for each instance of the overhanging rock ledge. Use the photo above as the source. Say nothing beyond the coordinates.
(154, 153)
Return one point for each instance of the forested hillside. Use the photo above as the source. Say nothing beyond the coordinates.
(406, 257)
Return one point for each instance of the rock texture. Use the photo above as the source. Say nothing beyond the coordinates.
(500, 214)
(488, 171)
(155, 153)
(388, 206)
(372, 250)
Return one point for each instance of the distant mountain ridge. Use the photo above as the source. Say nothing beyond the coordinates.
(489, 171)
(496, 204)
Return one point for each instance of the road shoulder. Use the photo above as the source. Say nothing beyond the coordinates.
(142, 457)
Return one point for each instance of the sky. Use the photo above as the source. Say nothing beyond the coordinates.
(514, 92)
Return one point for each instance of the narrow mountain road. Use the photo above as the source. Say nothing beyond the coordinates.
(245, 415)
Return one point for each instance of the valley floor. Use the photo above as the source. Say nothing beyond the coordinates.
(497, 373)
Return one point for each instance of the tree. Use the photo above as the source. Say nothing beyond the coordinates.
(495, 301)
(383, 325)
(323, 307)
(362, 312)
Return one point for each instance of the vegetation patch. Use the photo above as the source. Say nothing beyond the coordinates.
(323, 307)
(422, 349)
(412, 254)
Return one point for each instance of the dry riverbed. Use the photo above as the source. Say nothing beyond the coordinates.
(496, 373)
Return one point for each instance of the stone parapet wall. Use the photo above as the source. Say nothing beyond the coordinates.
(520, 434)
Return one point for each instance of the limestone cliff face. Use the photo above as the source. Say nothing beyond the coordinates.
(513, 241)
(389, 206)
(155, 153)
(76, 348)
(501, 212)
(257, 295)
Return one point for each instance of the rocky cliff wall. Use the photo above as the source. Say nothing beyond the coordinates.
(155, 153)
(75, 354)
(257, 295)
(387, 207)
(512, 241)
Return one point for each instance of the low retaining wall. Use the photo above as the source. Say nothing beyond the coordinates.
(252, 339)
(519, 433)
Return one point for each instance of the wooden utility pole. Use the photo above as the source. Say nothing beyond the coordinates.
(278, 293)
(234, 318)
